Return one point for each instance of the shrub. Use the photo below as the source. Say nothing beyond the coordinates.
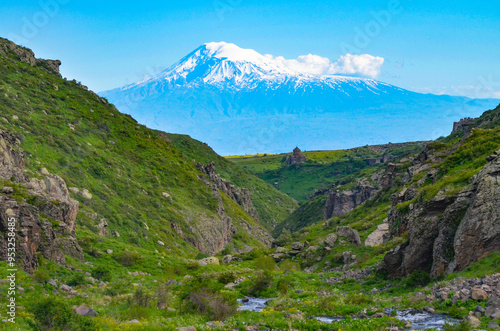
(227, 277)
(41, 276)
(418, 278)
(214, 305)
(140, 298)
(289, 265)
(204, 296)
(284, 285)
(102, 273)
(127, 258)
(201, 256)
(463, 326)
(260, 284)
(78, 279)
(265, 262)
(54, 314)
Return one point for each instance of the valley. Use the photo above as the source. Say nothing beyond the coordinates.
(122, 226)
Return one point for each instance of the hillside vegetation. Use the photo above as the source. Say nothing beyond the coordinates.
(321, 169)
(124, 228)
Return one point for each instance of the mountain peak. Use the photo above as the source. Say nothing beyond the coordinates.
(232, 52)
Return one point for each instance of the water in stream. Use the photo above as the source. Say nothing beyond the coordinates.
(420, 320)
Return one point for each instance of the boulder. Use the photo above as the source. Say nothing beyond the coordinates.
(472, 320)
(52, 282)
(349, 233)
(280, 250)
(65, 288)
(209, 260)
(379, 236)
(493, 326)
(227, 259)
(86, 194)
(479, 294)
(493, 313)
(102, 226)
(86, 311)
(187, 328)
(331, 239)
(297, 246)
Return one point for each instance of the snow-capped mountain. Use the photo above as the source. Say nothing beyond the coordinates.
(239, 101)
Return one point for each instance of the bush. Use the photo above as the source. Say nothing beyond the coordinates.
(265, 262)
(284, 285)
(261, 284)
(102, 273)
(127, 258)
(463, 326)
(78, 279)
(204, 296)
(41, 276)
(54, 314)
(201, 256)
(227, 277)
(140, 298)
(289, 265)
(418, 278)
(214, 305)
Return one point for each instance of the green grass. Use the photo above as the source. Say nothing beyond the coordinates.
(322, 168)
(272, 205)
(124, 165)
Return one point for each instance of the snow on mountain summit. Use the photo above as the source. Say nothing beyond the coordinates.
(240, 101)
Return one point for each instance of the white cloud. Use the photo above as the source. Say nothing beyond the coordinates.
(363, 65)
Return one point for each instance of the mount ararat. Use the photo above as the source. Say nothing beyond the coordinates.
(241, 102)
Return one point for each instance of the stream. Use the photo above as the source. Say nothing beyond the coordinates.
(420, 320)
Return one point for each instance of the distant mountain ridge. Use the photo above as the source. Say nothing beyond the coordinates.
(242, 102)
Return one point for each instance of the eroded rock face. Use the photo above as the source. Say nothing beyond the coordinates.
(240, 196)
(479, 232)
(11, 158)
(447, 233)
(48, 224)
(339, 203)
(27, 56)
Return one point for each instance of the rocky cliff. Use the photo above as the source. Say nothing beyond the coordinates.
(218, 233)
(44, 212)
(240, 196)
(449, 231)
(26, 55)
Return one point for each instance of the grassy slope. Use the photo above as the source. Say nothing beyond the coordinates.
(125, 166)
(273, 206)
(322, 168)
(460, 158)
(118, 302)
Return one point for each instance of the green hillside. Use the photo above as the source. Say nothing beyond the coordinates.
(321, 169)
(125, 166)
(163, 248)
(273, 205)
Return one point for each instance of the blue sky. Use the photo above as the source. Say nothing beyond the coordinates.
(428, 46)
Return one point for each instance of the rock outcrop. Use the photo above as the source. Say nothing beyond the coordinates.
(46, 222)
(350, 234)
(240, 196)
(212, 234)
(463, 125)
(379, 236)
(449, 232)
(341, 202)
(26, 55)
